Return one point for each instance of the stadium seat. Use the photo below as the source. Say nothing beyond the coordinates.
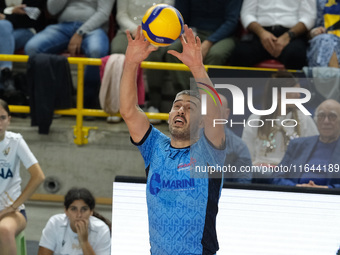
(21, 244)
(270, 63)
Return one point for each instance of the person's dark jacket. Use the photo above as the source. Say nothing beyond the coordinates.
(23, 21)
(298, 152)
(50, 87)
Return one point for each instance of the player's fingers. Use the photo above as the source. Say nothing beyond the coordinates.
(138, 34)
(128, 35)
(189, 35)
(174, 53)
(198, 41)
(183, 39)
(152, 48)
(186, 28)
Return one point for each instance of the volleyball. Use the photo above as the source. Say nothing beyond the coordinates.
(162, 24)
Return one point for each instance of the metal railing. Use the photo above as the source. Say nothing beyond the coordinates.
(81, 132)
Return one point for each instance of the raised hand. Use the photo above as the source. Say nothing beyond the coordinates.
(138, 49)
(191, 55)
(82, 230)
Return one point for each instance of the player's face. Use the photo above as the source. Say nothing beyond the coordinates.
(185, 109)
(4, 122)
(78, 211)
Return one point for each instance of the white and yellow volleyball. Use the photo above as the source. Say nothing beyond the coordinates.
(162, 24)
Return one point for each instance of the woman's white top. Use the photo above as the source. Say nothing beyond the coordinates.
(58, 236)
(258, 148)
(13, 149)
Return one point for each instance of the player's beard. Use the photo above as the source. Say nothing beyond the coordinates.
(185, 134)
(181, 134)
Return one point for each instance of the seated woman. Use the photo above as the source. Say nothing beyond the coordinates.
(12, 210)
(17, 25)
(324, 49)
(267, 144)
(80, 230)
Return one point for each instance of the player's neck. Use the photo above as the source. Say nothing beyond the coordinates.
(176, 143)
(182, 143)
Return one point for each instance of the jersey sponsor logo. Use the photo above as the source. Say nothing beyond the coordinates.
(6, 174)
(178, 184)
(187, 166)
(156, 184)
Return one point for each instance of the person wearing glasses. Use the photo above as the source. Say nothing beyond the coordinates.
(14, 149)
(314, 161)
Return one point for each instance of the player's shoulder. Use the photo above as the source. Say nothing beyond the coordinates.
(98, 224)
(13, 136)
(157, 134)
(58, 219)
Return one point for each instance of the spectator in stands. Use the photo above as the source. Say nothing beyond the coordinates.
(237, 151)
(175, 186)
(316, 158)
(324, 49)
(277, 30)
(80, 230)
(129, 15)
(82, 28)
(18, 24)
(267, 144)
(12, 210)
(215, 23)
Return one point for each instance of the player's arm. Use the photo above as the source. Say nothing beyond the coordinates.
(37, 177)
(44, 251)
(137, 51)
(192, 57)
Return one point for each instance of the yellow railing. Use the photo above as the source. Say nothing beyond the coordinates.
(81, 133)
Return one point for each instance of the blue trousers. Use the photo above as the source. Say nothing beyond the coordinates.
(55, 39)
(12, 40)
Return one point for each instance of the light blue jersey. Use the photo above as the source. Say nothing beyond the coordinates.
(182, 210)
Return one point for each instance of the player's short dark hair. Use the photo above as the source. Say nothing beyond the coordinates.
(193, 93)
